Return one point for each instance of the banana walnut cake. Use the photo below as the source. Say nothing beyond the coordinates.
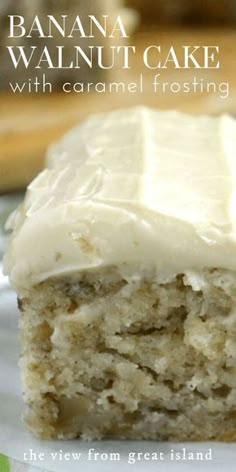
(123, 256)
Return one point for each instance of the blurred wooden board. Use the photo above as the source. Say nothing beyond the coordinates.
(30, 122)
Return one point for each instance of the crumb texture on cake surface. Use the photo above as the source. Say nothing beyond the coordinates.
(107, 357)
(123, 258)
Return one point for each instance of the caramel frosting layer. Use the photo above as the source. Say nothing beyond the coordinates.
(140, 189)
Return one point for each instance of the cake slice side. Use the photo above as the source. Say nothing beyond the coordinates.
(107, 357)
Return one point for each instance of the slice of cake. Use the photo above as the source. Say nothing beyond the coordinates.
(123, 256)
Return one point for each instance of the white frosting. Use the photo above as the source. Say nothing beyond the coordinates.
(138, 188)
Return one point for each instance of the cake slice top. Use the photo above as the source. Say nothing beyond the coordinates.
(140, 189)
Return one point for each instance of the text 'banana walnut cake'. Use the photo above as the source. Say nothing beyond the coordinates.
(123, 256)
